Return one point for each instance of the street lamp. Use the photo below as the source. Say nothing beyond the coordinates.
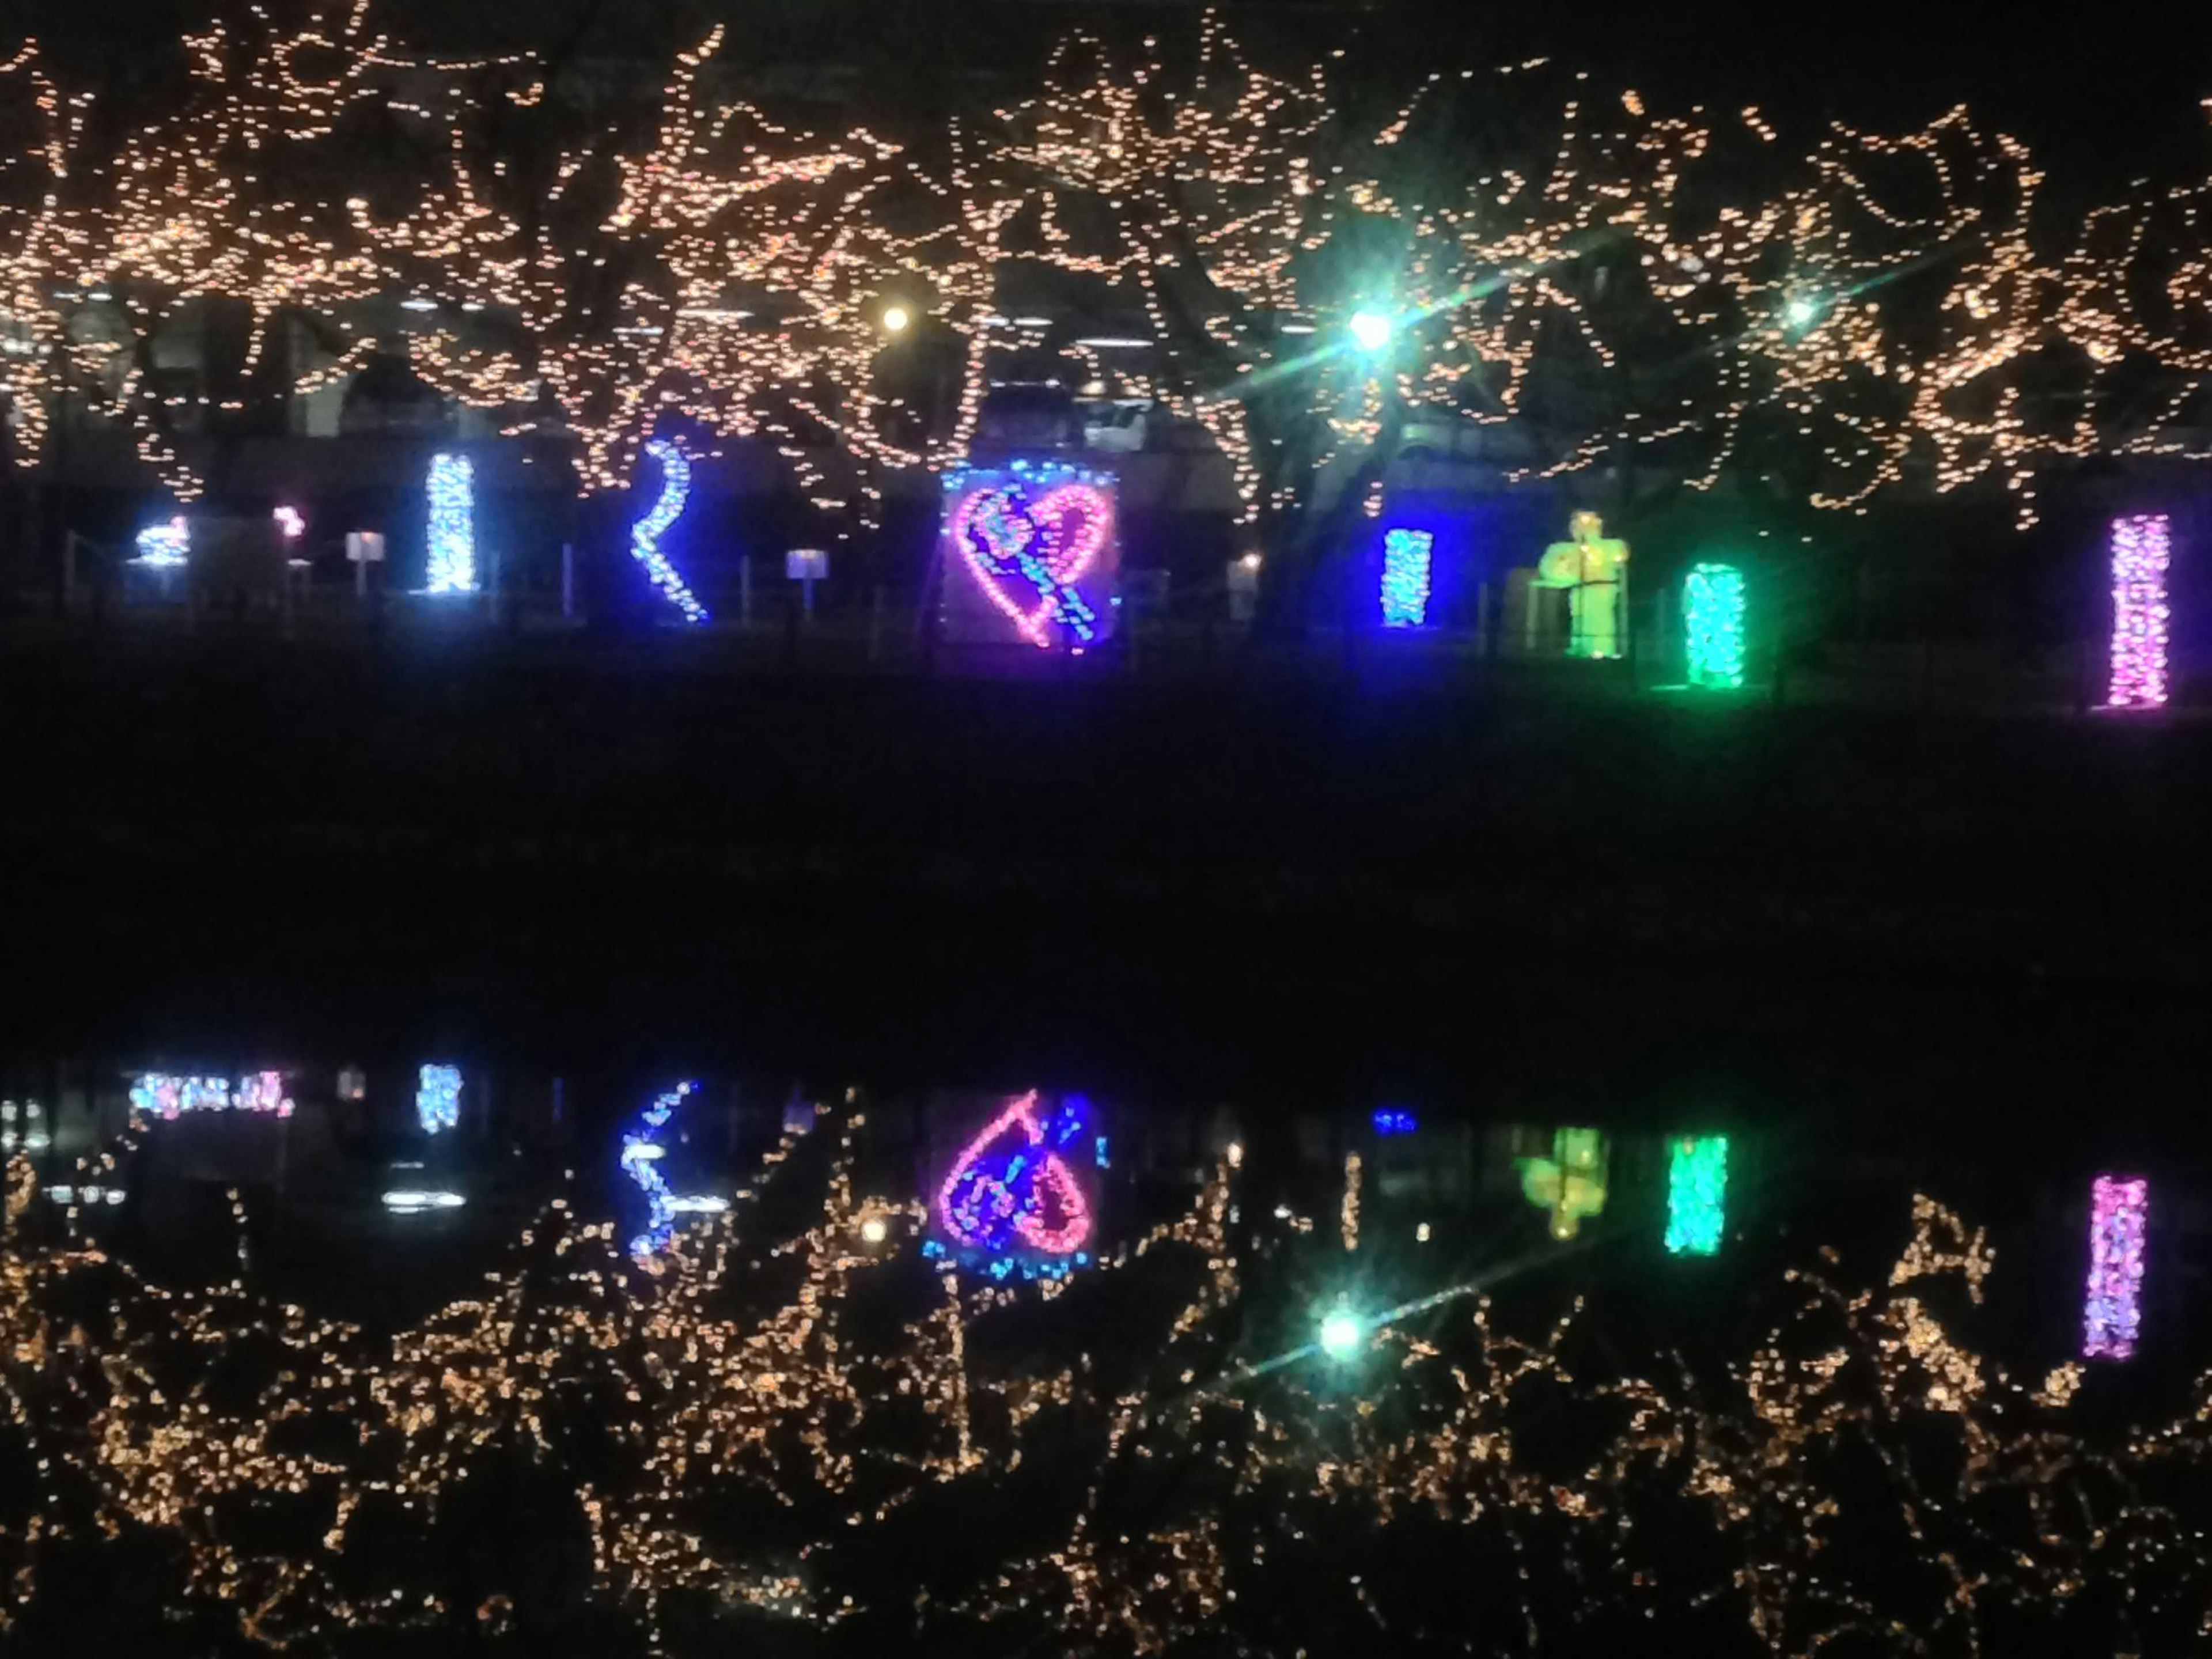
(1371, 330)
(896, 318)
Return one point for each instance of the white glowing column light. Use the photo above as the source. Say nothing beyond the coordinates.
(645, 535)
(2112, 1314)
(2142, 550)
(453, 524)
(165, 546)
(438, 1098)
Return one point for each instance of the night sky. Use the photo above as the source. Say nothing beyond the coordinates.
(2103, 94)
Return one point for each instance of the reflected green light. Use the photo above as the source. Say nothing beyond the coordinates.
(1340, 1334)
(1697, 1196)
(1713, 605)
(1571, 1182)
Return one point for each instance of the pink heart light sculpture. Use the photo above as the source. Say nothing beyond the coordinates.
(1071, 521)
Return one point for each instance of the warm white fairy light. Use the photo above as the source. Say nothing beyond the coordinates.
(1201, 199)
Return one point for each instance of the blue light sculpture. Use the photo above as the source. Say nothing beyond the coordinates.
(645, 535)
(453, 524)
(1407, 557)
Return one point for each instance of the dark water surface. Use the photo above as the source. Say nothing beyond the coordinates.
(1538, 1354)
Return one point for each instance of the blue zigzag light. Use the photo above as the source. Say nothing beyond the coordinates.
(453, 524)
(641, 1153)
(1405, 558)
(438, 1098)
(645, 535)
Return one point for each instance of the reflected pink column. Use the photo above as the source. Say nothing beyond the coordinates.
(2117, 1211)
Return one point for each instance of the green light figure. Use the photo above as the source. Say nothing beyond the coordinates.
(1697, 1194)
(1713, 622)
(1593, 569)
(1570, 1183)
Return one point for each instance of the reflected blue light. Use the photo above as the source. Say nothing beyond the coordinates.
(165, 546)
(641, 1162)
(438, 1098)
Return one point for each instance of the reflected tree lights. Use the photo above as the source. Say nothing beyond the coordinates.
(2118, 1210)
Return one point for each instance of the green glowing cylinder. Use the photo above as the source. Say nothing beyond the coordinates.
(1713, 605)
(1697, 1194)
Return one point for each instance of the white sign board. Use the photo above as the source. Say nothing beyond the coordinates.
(807, 564)
(365, 546)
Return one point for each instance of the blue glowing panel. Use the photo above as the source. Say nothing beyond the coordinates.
(1395, 1121)
(438, 1098)
(645, 535)
(165, 546)
(453, 524)
(1405, 558)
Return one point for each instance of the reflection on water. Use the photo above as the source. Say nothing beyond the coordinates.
(2117, 1210)
(704, 1356)
(437, 1097)
(1697, 1194)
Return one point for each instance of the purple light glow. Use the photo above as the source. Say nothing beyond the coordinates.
(2117, 1211)
(2142, 548)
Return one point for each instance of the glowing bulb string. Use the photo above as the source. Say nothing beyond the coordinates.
(646, 534)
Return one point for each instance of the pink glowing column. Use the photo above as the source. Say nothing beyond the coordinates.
(2142, 547)
(2117, 1209)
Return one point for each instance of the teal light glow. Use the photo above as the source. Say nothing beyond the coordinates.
(1697, 1196)
(1371, 330)
(1713, 620)
(1340, 1334)
(1406, 557)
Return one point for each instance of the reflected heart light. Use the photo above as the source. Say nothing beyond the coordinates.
(1010, 1189)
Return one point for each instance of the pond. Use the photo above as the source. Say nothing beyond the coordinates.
(406, 1356)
